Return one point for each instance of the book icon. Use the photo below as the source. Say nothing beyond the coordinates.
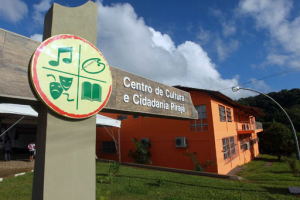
(91, 92)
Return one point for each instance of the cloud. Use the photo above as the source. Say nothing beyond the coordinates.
(274, 16)
(224, 49)
(39, 11)
(204, 36)
(260, 85)
(228, 26)
(37, 37)
(13, 10)
(128, 43)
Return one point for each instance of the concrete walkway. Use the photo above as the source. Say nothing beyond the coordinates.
(235, 170)
(19, 164)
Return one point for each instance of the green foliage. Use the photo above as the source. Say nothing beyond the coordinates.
(112, 172)
(197, 164)
(142, 153)
(288, 99)
(114, 168)
(294, 164)
(278, 139)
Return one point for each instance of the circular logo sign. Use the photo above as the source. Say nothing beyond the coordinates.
(71, 76)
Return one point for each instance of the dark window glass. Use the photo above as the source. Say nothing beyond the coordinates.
(109, 147)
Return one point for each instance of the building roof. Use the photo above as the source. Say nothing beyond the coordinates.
(218, 95)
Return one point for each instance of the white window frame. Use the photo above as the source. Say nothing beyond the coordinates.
(229, 116)
(222, 113)
(197, 127)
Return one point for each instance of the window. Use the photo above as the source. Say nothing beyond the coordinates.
(226, 150)
(199, 124)
(121, 117)
(232, 146)
(135, 116)
(222, 113)
(109, 147)
(229, 147)
(228, 111)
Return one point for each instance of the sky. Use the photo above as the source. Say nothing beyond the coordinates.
(207, 44)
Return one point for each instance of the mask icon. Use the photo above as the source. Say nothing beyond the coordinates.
(65, 82)
(55, 90)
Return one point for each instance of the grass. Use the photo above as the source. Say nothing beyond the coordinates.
(134, 183)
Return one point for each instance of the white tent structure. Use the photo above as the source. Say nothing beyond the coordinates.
(14, 114)
(11, 110)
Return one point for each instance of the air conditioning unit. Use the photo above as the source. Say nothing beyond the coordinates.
(146, 141)
(180, 142)
(247, 145)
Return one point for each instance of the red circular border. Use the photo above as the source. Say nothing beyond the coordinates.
(36, 81)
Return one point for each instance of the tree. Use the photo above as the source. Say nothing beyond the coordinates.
(142, 153)
(278, 139)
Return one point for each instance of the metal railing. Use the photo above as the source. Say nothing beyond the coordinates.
(246, 125)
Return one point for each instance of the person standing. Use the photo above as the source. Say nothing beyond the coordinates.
(31, 148)
(7, 150)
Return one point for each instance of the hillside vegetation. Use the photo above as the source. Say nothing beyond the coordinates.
(277, 137)
(288, 99)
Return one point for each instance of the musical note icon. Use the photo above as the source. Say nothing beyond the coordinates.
(65, 60)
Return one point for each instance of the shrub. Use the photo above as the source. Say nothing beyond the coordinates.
(294, 164)
(142, 153)
(197, 164)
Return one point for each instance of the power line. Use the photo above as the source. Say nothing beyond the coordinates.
(263, 78)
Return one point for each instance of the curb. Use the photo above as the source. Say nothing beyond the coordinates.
(181, 171)
(15, 175)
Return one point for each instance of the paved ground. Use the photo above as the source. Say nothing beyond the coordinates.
(19, 163)
(236, 170)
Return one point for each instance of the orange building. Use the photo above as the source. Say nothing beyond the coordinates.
(225, 133)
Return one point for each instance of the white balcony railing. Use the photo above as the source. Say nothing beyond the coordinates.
(246, 125)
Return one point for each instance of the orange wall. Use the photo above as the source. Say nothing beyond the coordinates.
(206, 145)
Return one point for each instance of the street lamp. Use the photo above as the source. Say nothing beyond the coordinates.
(236, 88)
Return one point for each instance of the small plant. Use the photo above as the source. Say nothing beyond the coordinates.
(294, 164)
(159, 182)
(197, 164)
(102, 196)
(114, 168)
(112, 172)
(99, 179)
(109, 177)
(142, 153)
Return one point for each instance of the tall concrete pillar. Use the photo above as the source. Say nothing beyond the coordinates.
(65, 160)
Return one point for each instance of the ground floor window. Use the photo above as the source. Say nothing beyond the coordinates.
(109, 147)
(226, 148)
(229, 147)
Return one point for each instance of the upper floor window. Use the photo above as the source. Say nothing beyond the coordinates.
(222, 113)
(228, 111)
(201, 123)
(135, 116)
